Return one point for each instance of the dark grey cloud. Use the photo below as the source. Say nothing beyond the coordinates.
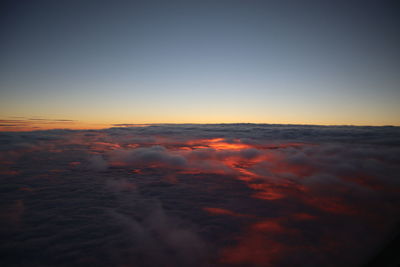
(158, 239)
(147, 156)
(97, 163)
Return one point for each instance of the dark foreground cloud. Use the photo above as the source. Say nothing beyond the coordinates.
(199, 195)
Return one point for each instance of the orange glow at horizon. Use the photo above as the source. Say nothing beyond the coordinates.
(38, 124)
(12, 123)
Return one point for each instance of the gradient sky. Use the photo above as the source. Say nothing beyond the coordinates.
(308, 62)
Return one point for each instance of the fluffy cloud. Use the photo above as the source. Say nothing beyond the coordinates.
(148, 157)
(257, 195)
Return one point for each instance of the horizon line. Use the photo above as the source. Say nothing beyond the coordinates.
(27, 128)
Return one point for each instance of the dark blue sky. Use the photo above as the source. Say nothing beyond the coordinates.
(323, 62)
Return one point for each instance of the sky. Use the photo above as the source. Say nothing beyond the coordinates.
(88, 64)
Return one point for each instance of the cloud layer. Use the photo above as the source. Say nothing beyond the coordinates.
(199, 195)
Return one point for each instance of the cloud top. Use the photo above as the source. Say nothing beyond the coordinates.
(199, 195)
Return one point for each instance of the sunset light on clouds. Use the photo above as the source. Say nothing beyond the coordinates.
(199, 133)
(199, 195)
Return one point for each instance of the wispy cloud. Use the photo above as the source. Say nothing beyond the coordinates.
(26, 124)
